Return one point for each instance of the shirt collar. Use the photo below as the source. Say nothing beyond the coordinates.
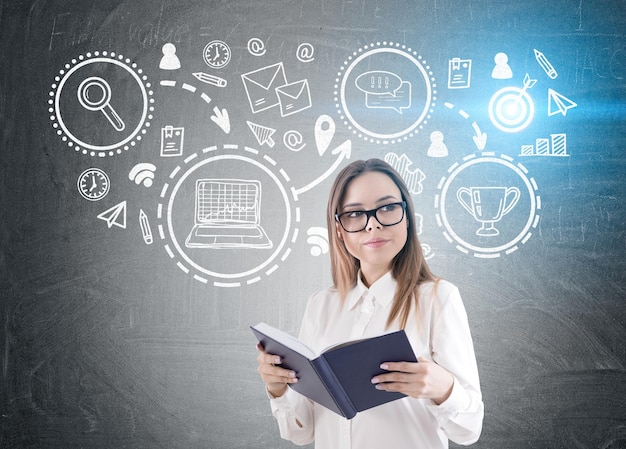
(382, 290)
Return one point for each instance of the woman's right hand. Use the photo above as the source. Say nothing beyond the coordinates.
(275, 377)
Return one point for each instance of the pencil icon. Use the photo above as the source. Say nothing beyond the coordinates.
(145, 227)
(545, 64)
(210, 79)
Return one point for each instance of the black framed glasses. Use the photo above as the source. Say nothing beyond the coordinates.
(387, 215)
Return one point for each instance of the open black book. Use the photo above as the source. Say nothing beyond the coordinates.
(340, 377)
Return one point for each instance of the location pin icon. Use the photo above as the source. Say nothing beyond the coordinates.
(324, 133)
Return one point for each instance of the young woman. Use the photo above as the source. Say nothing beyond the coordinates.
(381, 284)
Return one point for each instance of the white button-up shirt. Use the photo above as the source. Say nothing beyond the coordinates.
(439, 331)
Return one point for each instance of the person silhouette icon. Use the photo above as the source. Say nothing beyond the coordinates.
(437, 148)
(502, 70)
(169, 61)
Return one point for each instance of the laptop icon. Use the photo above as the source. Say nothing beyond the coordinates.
(227, 215)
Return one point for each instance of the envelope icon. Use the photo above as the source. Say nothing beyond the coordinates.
(294, 97)
(261, 86)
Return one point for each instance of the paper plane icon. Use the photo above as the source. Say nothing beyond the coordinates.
(262, 133)
(558, 103)
(115, 215)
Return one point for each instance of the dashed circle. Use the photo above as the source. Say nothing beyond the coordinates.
(277, 213)
(461, 227)
(94, 141)
(385, 118)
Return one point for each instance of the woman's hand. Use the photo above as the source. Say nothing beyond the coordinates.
(276, 378)
(424, 379)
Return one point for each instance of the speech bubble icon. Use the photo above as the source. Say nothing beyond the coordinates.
(378, 82)
(398, 100)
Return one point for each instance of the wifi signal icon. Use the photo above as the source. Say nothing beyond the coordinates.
(142, 173)
(318, 239)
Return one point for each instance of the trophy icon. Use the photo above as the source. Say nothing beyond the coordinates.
(488, 205)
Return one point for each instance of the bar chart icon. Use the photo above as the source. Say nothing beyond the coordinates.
(555, 145)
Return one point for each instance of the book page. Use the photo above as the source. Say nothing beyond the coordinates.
(350, 342)
(286, 339)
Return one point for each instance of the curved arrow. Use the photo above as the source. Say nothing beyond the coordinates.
(480, 139)
(344, 150)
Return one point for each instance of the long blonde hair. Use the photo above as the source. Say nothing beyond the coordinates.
(408, 267)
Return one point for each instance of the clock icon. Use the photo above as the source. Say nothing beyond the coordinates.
(216, 54)
(93, 184)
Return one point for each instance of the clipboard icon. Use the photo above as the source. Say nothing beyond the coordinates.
(459, 73)
(172, 141)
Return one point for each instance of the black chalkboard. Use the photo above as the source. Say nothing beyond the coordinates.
(130, 128)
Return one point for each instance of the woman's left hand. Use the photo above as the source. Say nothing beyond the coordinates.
(424, 379)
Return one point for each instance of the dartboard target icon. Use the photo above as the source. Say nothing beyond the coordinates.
(511, 109)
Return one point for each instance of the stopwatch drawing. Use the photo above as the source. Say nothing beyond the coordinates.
(93, 184)
(216, 54)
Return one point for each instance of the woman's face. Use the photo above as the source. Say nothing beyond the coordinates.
(376, 245)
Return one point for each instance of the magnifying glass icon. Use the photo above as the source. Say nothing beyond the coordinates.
(94, 94)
